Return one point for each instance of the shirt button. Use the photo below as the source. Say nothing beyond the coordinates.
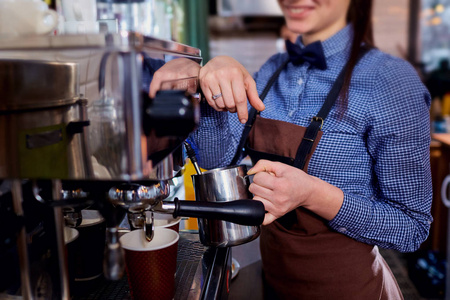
(342, 229)
(300, 81)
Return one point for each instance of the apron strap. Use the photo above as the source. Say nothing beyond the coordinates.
(317, 121)
(253, 112)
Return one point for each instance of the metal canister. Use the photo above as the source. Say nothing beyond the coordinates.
(222, 185)
(42, 119)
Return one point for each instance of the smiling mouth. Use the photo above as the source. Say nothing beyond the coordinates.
(296, 10)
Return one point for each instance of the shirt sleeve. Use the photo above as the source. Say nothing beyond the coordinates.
(398, 139)
(217, 137)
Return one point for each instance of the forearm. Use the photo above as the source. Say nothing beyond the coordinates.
(378, 222)
(325, 200)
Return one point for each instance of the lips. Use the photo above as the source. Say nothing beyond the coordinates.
(297, 12)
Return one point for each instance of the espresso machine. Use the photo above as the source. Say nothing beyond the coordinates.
(78, 131)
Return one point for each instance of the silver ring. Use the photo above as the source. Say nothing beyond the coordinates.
(215, 97)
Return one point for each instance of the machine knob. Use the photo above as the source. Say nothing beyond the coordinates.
(170, 113)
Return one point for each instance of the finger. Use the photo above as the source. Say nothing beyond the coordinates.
(217, 97)
(263, 166)
(268, 206)
(155, 85)
(228, 95)
(268, 219)
(265, 180)
(240, 99)
(252, 94)
(260, 191)
(209, 86)
(208, 95)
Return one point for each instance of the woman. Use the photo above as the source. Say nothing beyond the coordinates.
(366, 135)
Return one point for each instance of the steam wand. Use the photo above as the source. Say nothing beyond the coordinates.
(191, 154)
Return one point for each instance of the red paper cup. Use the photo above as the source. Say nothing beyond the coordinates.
(166, 221)
(151, 265)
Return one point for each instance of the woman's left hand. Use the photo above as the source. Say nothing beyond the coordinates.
(283, 188)
(280, 187)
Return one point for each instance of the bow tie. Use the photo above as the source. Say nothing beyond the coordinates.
(313, 53)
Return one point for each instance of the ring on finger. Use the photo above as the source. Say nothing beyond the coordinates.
(216, 96)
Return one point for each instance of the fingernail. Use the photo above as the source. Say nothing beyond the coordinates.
(243, 121)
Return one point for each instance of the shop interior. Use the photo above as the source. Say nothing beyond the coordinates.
(251, 31)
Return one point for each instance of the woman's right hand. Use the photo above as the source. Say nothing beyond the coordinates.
(226, 76)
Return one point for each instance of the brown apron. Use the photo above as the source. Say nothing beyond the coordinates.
(302, 257)
(309, 260)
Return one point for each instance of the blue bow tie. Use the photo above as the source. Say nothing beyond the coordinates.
(313, 53)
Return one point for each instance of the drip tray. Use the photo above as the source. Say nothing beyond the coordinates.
(190, 252)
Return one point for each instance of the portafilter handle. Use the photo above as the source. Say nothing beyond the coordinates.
(243, 212)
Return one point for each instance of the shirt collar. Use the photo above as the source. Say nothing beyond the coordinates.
(338, 43)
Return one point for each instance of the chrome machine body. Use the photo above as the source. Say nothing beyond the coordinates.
(105, 71)
(75, 121)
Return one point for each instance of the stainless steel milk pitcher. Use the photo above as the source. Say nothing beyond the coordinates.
(222, 185)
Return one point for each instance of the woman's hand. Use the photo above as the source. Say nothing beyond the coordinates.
(283, 188)
(225, 76)
(172, 70)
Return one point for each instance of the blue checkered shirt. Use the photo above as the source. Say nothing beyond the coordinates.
(377, 152)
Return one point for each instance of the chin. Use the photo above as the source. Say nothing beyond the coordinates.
(298, 28)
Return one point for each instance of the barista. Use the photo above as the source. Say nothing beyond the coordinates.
(362, 178)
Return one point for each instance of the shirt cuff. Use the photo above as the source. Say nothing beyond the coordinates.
(353, 217)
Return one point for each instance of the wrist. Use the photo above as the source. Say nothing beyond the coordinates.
(323, 198)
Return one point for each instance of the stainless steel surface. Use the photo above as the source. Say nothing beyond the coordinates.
(24, 84)
(60, 245)
(166, 207)
(26, 291)
(115, 141)
(114, 259)
(222, 185)
(137, 198)
(115, 132)
(37, 144)
(72, 217)
(124, 41)
(136, 220)
(149, 227)
(142, 220)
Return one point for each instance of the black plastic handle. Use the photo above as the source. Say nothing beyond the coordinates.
(243, 212)
(170, 113)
